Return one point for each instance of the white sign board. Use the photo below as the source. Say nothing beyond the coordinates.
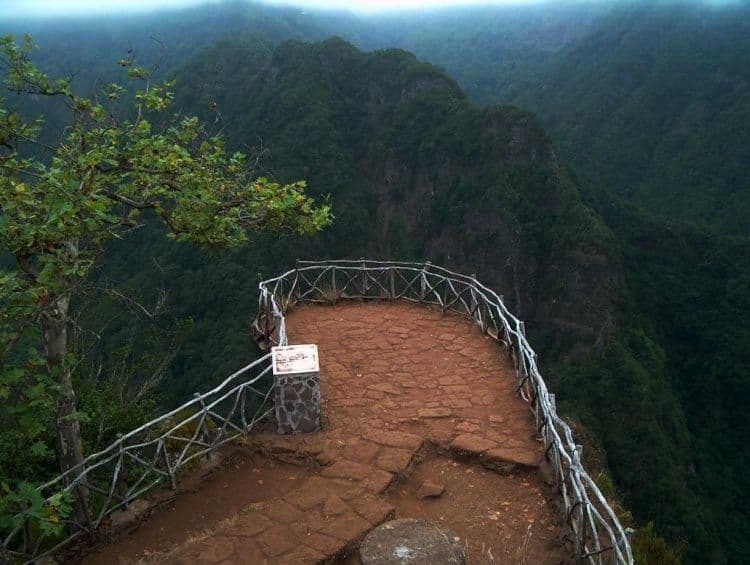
(295, 359)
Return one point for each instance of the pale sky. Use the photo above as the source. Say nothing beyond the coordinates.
(380, 5)
(14, 8)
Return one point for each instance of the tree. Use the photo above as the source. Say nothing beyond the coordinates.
(62, 204)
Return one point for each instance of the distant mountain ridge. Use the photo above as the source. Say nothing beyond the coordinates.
(647, 100)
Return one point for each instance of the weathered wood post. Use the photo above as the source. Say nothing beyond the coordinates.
(167, 463)
(295, 294)
(364, 279)
(334, 286)
(445, 295)
(521, 363)
(475, 313)
(296, 388)
(267, 314)
(423, 282)
(205, 431)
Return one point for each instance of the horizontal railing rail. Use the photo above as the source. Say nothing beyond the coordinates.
(148, 456)
(598, 535)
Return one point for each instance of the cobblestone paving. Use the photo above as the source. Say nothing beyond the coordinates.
(395, 378)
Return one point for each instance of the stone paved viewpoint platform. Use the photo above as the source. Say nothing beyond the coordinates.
(404, 387)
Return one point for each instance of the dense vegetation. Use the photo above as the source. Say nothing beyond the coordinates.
(648, 100)
(653, 104)
(62, 205)
(642, 324)
(692, 286)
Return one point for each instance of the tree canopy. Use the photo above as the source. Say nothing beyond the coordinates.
(61, 205)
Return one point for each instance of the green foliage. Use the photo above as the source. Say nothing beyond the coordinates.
(691, 285)
(120, 384)
(26, 508)
(27, 392)
(651, 103)
(104, 173)
(648, 455)
(650, 549)
(61, 206)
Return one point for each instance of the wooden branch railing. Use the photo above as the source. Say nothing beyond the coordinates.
(156, 452)
(150, 455)
(598, 535)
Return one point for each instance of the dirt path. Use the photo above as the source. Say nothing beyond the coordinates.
(246, 479)
(400, 384)
(503, 519)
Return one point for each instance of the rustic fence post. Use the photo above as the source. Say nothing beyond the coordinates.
(168, 464)
(334, 286)
(475, 313)
(520, 359)
(296, 293)
(423, 282)
(204, 433)
(445, 295)
(364, 278)
(267, 314)
(28, 540)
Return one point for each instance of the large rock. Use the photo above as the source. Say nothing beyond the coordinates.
(430, 489)
(412, 541)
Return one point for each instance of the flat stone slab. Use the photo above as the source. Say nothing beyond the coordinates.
(472, 444)
(505, 460)
(412, 541)
(395, 439)
(434, 413)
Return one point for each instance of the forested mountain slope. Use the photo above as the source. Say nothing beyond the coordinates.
(480, 38)
(652, 103)
(649, 100)
(483, 41)
(414, 169)
(693, 287)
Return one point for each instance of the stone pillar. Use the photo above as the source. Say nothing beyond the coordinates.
(296, 391)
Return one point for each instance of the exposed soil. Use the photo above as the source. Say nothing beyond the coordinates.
(399, 383)
(503, 519)
(246, 478)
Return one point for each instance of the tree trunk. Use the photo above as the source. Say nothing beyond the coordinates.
(69, 446)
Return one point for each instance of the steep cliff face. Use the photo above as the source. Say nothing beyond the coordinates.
(416, 171)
